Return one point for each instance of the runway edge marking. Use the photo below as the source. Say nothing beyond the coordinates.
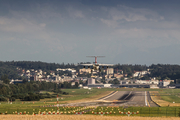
(128, 95)
(109, 96)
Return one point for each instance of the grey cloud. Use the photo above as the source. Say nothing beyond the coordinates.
(68, 31)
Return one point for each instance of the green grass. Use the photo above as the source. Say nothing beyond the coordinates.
(77, 94)
(143, 111)
(74, 94)
(110, 111)
(170, 95)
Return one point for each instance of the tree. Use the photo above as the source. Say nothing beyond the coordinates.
(172, 83)
(24, 80)
(76, 84)
(122, 78)
(116, 81)
(5, 79)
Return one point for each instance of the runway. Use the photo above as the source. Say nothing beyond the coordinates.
(120, 98)
(130, 98)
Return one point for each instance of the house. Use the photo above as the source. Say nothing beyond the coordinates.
(140, 73)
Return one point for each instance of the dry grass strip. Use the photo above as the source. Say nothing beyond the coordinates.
(160, 101)
(79, 117)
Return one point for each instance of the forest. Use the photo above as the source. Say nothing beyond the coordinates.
(29, 91)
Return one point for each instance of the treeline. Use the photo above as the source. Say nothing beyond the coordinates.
(161, 71)
(37, 65)
(29, 91)
(129, 69)
(9, 70)
(165, 71)
(10, 67)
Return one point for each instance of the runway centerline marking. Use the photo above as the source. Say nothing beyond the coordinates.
(146, 100)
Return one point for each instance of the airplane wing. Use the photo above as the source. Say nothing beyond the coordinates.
(87, 64)
(106, 64)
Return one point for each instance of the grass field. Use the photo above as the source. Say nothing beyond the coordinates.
(170, 95)
(75, 95)
(161, 96)
(81, 117)
(78, 95)
(93, 110)
(166, 97)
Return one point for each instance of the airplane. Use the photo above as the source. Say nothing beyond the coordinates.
(96, 66)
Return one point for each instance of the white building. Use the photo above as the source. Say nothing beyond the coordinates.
(140, 73)
(107, 85)
(84, 70)
(110, 71)
(147, 82)
(91, 81)
(67, 69)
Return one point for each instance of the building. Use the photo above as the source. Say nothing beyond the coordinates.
(110, 71)
(164, 83)
(91, 81)
(16, 81)
(107, 85)
(96, 85)
(147, 82)
(131, 86)
(140, 73)
(177, 85)
(118, 75)
(84, 70)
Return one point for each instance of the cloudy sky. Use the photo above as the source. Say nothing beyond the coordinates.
(125, 31)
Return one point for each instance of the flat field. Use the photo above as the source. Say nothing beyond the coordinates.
(164, 97)
(80, 117)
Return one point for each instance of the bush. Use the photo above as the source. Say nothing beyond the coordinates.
(41, 96)
(31, 98)
(53, 96)
(65, 93)
(12, 98)
(3, 98)
(47, 96)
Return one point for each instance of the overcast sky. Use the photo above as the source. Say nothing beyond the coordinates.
(125, 31)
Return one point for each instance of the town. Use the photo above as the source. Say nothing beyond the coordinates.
(112, 78)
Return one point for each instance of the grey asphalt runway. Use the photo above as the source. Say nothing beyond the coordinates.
(121, 98)
(131, 98)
